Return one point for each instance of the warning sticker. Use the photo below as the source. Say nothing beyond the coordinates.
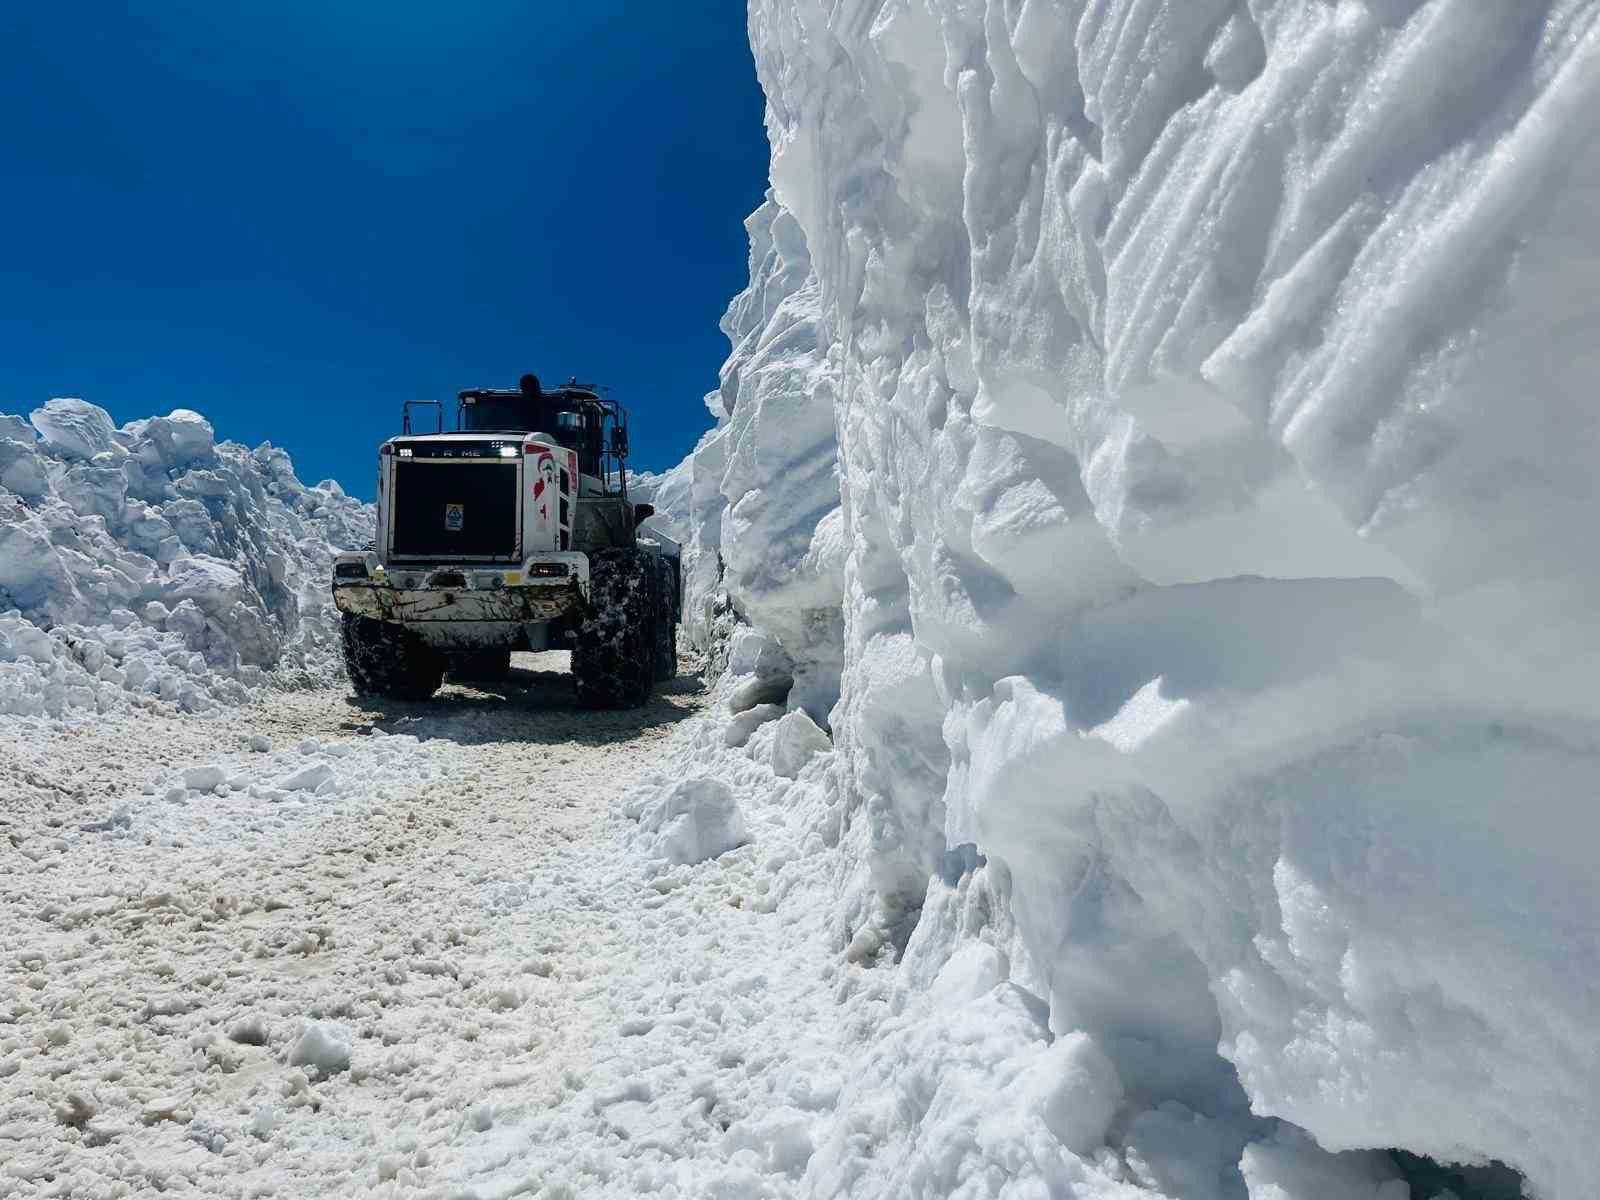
(455, 516)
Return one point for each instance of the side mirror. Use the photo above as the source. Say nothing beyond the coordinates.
(619, 440)
(642, 513)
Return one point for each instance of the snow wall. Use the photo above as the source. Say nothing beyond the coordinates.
(153, 566)
(1160, 439)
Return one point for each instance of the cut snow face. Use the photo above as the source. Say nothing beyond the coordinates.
(1154, 445)
(152, 566)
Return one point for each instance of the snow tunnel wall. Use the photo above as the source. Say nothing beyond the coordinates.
(1169, 427)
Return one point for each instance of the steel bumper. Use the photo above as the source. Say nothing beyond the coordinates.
(547, 587)
(515, 604)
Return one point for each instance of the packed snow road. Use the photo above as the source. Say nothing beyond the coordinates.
(316, 947)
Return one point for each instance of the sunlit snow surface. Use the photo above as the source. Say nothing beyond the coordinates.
(151, 566)
(1169, 427)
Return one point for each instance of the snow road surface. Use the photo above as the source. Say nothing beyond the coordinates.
(317, 948)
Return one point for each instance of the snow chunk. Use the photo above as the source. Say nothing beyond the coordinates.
(781, 1139)
(249, 1030)
(324, 1047)
(759, 690)
(177, 439)
(163, 1108)
(203, 779)
(1076, 1091)
(210, 583)
(795, 742)
(22, 468)
(974, 970)
(75, 1109)
(694, 820)
(74, 428)
(307, 779)
(737, 731)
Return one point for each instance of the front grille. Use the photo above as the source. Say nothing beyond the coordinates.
(458, 510)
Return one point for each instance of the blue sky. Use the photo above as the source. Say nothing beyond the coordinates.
(293, 215)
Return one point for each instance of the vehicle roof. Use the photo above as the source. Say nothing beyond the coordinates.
(566, 391)
(479, 435)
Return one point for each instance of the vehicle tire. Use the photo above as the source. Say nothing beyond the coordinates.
(666, 629)
(389, 660)
(612, 658)
(481, 666)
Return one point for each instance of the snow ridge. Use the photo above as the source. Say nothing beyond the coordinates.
(151, 565)
(1157, 435)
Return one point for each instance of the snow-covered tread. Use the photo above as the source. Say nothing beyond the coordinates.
(388, 660)
(612, 658)
(666, 629)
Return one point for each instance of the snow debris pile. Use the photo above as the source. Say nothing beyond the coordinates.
(153, 565)
(1159, 448)
(266, 791)
(695, 820)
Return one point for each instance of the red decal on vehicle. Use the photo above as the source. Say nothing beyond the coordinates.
(544, 476)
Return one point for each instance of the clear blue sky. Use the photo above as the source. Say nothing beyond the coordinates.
(292, 215)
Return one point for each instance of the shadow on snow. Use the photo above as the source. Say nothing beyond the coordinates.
(529, 705)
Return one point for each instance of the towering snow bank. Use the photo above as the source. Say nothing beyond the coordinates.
(151, 564)
(766, 527)
(1212, 395)
(669, 492)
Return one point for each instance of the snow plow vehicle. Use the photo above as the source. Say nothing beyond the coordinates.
(515, 532)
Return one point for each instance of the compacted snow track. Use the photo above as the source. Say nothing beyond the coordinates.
(317, 947)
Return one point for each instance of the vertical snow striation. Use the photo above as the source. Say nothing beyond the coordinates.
(153, 565)
(1167, 429)
(765, 528)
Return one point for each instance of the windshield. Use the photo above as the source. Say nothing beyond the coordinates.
(576, 419)
(499, 413)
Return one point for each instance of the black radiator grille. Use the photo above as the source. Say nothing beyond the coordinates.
(455, 510)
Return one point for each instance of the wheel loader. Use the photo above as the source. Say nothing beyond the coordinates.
(514, 532)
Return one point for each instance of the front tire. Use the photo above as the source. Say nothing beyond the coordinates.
(666, 628)
(613, 656)
(389, 660)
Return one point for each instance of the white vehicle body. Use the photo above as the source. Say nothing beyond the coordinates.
(474, 541)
